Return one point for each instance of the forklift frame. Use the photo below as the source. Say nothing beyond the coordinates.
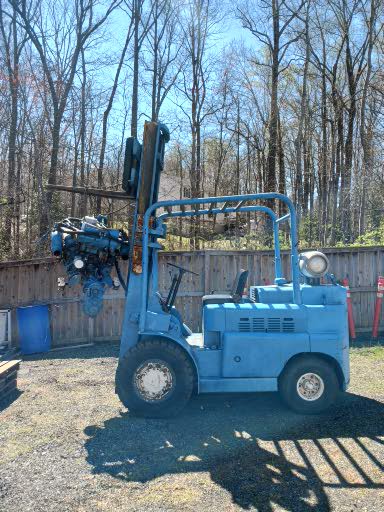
(238, 208)
(293, 338)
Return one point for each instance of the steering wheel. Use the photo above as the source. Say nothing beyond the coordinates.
(182, 269)
(168, 303)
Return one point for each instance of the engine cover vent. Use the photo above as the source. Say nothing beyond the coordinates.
(245, 325)
(274, 325)
(258, 324)
(266, 325)
(288, 325)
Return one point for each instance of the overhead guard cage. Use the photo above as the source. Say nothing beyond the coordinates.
(215, 209)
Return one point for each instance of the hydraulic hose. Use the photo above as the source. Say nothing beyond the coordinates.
(119, 275)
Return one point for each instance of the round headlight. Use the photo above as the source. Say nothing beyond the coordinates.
(78, 262)
(313, 264)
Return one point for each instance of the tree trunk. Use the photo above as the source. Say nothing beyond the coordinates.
(270, 185)
(346, 177)
(52, 174)
(12, 62)
(281, 186)
(366, 133)
(135, 78)
(83, 133)
(106, 113)
(298, 192)
(155, 64)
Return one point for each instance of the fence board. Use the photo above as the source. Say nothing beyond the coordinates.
(35, 282)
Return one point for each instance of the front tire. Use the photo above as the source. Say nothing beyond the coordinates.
(309, 385)
(155, 379)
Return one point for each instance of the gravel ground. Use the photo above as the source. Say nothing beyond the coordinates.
(67, 444)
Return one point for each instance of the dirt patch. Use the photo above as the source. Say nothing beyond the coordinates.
(67, 444)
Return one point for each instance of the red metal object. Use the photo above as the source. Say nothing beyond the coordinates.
(379, 300)
(351, 321)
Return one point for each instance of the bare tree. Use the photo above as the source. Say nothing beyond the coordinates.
(165, 41)
(198, 19)
(13, 45)
(142, 23)
(366, 132)
(53, 27)
(108, 108)
(300, 142)
(278, 41)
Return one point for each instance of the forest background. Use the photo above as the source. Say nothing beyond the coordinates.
(259, 96)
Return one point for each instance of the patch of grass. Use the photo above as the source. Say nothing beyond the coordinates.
(374, 353)
(367, 369)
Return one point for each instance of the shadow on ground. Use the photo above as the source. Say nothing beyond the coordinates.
(365, 340)
(251, 446)
(98, 350)
(7, 401)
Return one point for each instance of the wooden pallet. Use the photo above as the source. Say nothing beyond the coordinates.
(8, 377)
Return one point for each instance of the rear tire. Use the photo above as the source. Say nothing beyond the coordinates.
(155, 379)
(309, 385)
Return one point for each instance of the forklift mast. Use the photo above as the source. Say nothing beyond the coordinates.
(141, 178)
(142, 170)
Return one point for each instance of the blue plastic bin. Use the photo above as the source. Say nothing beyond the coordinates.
(34, 333)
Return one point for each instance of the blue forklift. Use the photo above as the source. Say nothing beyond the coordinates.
(291, 337)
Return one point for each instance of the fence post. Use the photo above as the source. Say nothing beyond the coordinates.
(91, 329)
(379, 300)
(351, 322)
(207, 263)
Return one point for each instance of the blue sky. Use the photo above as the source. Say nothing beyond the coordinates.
(231, 30)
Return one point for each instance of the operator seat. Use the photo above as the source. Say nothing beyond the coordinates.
(234, 296)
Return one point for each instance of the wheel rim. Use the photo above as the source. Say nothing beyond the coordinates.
(310, 386)
(153, 381)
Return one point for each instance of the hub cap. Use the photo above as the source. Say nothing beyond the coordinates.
(153, 381)
(310, 386)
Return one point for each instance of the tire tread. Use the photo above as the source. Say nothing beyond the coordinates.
(155, 410)
(287, 385)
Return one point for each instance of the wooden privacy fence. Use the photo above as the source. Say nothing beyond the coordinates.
(32, 282)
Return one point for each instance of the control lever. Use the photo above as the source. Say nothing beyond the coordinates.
(176, 280)
(185, 270)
